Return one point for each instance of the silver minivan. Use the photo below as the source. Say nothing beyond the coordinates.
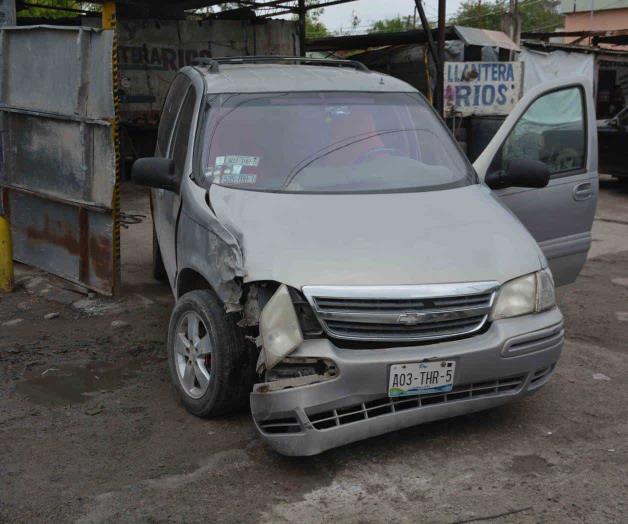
(339, 264)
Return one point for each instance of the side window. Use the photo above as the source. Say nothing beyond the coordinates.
(182, 132)
(551, 130)
(169, 112)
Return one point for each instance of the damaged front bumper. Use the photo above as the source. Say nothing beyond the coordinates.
(513, 357)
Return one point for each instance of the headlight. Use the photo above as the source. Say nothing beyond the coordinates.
(524, 295)
(545, 295)
(279, 327)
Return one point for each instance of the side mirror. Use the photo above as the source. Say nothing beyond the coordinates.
(155, 172)
(519, 172)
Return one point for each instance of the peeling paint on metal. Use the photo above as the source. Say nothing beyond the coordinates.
(58, 168)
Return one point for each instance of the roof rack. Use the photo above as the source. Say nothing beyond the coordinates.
(214, 63)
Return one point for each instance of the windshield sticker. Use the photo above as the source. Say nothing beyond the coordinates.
(237, 178)
(224, 173)
(228, 169)
(242, 160)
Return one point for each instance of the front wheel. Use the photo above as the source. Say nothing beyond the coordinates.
(211, 363)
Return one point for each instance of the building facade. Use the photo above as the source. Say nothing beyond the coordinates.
(595, 15)
(611, 71)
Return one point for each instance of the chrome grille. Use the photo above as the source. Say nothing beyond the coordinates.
(402, 313)
(385, 405)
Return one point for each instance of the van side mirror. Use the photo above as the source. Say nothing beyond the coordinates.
(155, 172)
(519, 172)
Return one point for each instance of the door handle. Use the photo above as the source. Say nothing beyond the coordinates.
(583, 191)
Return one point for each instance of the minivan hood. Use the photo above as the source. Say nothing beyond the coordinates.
(456, 235)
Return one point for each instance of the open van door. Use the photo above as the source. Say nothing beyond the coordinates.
(555, 124)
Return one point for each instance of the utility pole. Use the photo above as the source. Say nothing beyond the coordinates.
(302, 17)
(431, 45)
(440, 64)
(512, 24)
(428, 30)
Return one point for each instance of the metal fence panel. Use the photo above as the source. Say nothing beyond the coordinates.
(58, 168)
(70, 241)
(62, 158)
(43, 234)
(58, 70)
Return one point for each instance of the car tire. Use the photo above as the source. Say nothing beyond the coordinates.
(215, 376)
(159, 270)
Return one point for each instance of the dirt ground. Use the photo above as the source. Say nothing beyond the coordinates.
(91, 431)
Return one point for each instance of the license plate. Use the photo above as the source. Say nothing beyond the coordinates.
(419, 378)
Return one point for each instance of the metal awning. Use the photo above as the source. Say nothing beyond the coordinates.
(606, 52)
(468, 35)
(607, 37)
(485, 38)
(353, 42)
(155, 8)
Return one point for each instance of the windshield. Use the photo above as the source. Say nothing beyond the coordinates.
(330, 143)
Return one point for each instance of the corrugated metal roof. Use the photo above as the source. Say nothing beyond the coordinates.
(469, 35)
(352, 42)
(576, 48)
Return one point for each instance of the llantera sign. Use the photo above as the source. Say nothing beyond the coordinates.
(482, 88)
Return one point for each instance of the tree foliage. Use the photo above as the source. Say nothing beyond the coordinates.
(391, 25)
(536, 15)
(314, 28)
(42, 12)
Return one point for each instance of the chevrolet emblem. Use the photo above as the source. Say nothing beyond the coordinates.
(411, 319)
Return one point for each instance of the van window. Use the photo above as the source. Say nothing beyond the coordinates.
(182, 132)
(169, 113)
(330, 143)
(552, 130)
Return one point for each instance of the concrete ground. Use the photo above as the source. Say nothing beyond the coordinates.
(91, 431)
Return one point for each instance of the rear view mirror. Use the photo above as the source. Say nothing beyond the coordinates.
(155, 172)
(519, 172)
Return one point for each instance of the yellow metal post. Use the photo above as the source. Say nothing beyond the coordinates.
(109, 21)
(109, 14)
(6, 257)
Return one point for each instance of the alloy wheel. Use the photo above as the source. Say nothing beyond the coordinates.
(193, 352)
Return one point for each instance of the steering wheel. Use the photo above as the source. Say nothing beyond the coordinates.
(364, 157)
